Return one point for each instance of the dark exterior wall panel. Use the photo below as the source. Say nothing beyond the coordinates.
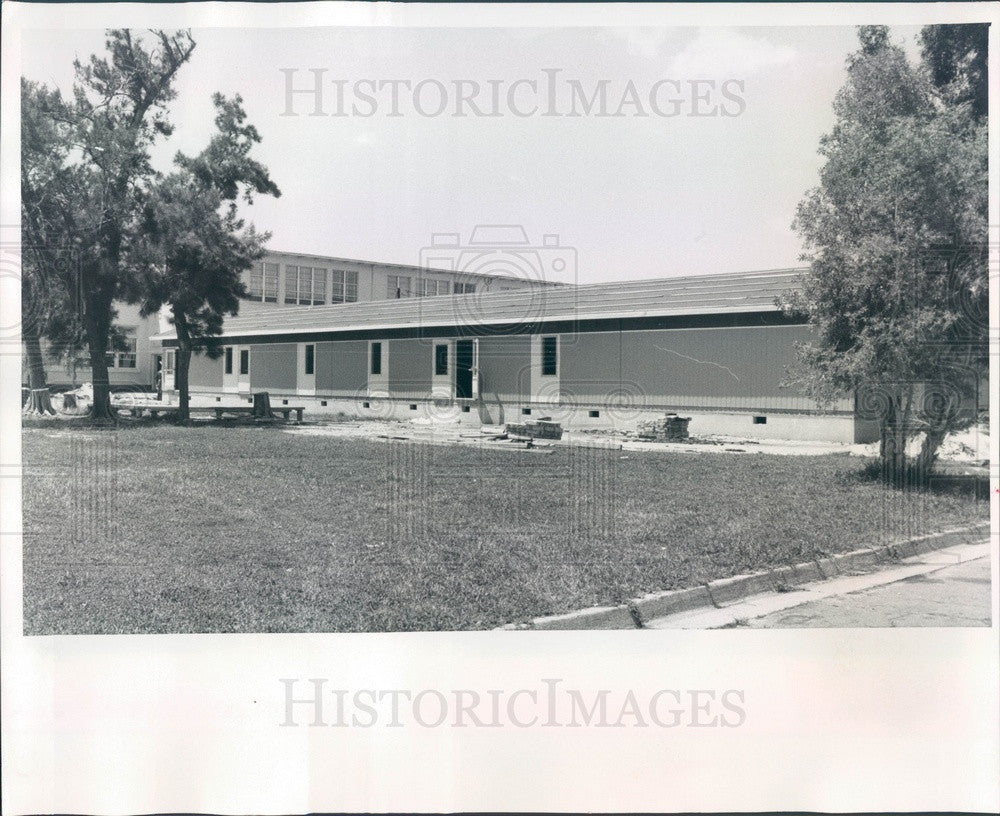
(740, 368)
(205, 373)
(590, 364)
(342, 366)
(272, 365)
(505, 366)
(410, 366)
(724, 368)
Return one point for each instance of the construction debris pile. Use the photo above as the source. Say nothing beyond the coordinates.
(671, 428)
(535, 429)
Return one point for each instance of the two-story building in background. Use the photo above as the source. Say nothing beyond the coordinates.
(281, 280)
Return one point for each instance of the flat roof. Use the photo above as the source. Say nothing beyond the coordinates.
(746, 292)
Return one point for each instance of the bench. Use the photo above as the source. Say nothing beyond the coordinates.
(284, 410)
(217, 410)
(154, 410)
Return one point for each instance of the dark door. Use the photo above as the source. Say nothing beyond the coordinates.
(463, 369)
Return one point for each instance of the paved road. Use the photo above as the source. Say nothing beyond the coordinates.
(957, 595)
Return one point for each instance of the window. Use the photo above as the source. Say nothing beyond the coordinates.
(426, 287)
(399, 286)
(305, 285)
(549, 356)
(270, 283)
(244, 361)
(168, 362)
(440, 360)
(229, 359)
(291, 284)
(319, 287)
(345, 286)
(127, 357)
(465, 288)
(310, 359)
(376, 358)
(255, 285)
(263, 283)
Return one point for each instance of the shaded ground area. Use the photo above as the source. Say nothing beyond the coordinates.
(159, 528)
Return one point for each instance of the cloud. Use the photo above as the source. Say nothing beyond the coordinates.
(717, 52)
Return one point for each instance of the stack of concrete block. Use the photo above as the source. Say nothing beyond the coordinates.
(539, 429)
(670, 428)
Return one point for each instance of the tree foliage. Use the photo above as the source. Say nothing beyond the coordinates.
(197, 246)
(87, 194)
(955, 56)
(895, 236)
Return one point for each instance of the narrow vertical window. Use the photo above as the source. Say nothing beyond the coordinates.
(244, 361)
(291, 284)
(270, 283)
(319, 287)
(550, 359)
(337, 292)
(255, 287)
(351, 287)
(376, 358)
(310, 359)
(229, 359)
(440, 360)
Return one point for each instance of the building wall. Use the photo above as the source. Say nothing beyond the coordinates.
(410, 367)
(341, 367)
(273, 365)
(505, 367)
(204, 372)
(63, 373)
(724, 368)
(728, 379)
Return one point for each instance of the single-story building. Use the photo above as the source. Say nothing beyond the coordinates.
(716, 348)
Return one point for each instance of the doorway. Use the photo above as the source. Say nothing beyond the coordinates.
(463, 369)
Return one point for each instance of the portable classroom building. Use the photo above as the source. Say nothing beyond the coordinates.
(717, 348)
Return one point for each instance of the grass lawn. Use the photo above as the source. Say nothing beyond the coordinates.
(244, 529)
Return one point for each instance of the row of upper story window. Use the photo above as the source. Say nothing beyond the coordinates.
(401, 286)
(304, 285)
(315, 285)
(550, 359)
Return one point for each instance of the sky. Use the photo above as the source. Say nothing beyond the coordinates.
(627, 197)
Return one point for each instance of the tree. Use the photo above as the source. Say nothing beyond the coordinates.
(117, 112)
(895, 236)
(46, 262)
(198, 246)
(955, 56)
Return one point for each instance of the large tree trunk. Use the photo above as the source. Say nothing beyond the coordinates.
(182, 367)
(929, 448)
(39, 400)
(98, 328)
(892, 440)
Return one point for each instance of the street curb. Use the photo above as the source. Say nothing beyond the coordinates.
(725, 591)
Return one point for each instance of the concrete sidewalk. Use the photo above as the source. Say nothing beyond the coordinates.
(948, 587)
